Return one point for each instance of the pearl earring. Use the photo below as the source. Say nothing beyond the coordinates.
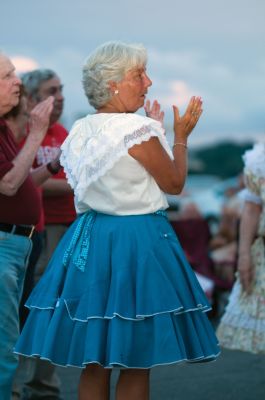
(116, 91)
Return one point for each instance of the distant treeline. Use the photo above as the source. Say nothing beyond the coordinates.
(223, 160)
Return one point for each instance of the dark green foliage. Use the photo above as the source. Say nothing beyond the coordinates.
(223, 160)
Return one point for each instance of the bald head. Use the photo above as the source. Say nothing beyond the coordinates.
(9, 85)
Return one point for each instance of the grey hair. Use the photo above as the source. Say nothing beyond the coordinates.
(33, 79)
(109, 62)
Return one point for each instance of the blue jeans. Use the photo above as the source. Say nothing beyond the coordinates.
(14, 254)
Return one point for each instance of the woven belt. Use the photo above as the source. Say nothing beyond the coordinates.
(22, 230)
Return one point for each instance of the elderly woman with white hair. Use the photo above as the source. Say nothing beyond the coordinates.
(118, 292)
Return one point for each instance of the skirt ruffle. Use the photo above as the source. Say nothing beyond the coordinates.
(118, 291)
(243, 325)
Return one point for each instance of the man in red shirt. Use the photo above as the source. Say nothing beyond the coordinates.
(20, 209)
(58, 205)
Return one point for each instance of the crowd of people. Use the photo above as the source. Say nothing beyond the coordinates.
(210, 242)
(85, 242)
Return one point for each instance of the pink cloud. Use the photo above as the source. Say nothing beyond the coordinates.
(24, 64)
(178, 93)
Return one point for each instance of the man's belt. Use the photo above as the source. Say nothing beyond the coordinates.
(22, 230)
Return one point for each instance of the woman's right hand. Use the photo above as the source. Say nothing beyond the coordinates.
(154, 111)
(185, 124)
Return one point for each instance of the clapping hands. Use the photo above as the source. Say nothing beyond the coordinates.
(154, 111)
(40, 117)
(183, 125)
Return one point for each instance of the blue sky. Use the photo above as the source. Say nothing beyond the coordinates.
(212, 49)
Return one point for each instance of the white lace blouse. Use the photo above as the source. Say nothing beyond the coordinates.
(103, 175)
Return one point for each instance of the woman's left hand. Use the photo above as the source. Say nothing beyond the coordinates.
(154, 111)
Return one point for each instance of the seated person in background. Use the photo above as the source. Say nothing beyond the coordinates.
(223, 246)
(194, 235)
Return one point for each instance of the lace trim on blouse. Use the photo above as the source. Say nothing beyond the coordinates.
(89, 152)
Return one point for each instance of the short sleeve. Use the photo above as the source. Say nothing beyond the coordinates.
(254, 170)
(247, 195)
(92, 149)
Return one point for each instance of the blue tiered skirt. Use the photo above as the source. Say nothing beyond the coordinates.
(119, 292)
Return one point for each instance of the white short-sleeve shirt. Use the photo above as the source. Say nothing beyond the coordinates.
(103, 175)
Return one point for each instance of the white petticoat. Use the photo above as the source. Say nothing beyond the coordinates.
(243, 324)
